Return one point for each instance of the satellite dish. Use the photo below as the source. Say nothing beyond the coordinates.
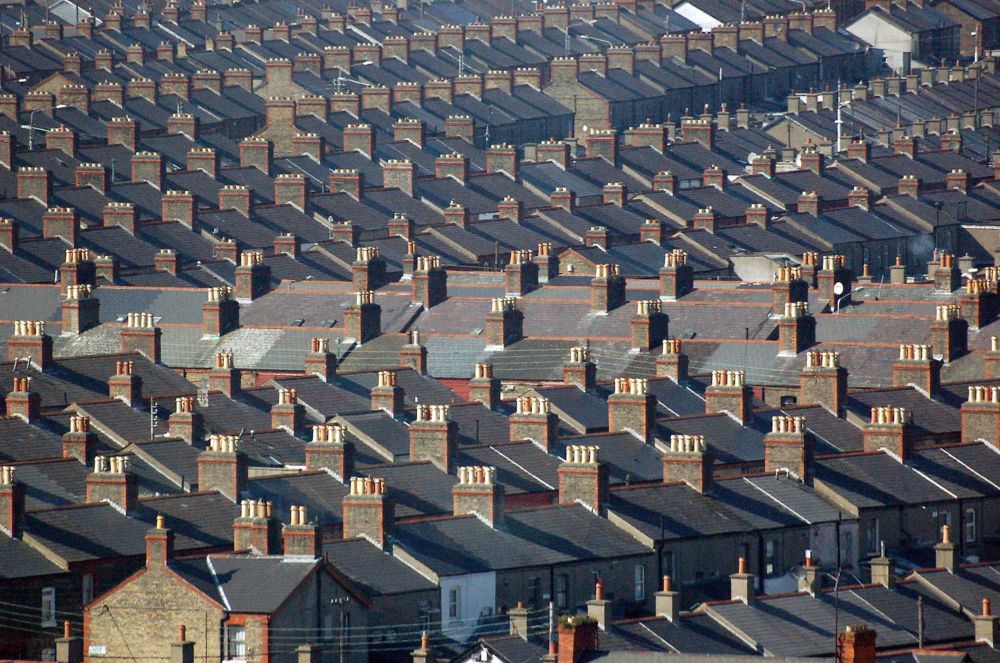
(838, 288)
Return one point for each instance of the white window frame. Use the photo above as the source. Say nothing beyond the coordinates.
(970, 526)
(455, 604)
(236, 640)
(49, 607)
(639, 582)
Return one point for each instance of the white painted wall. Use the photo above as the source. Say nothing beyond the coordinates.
(880, 33)
(697, 16)
(477, 597)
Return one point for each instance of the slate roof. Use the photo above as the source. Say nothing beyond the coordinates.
(99, 531)
(376, 572)
(461, 545)
(20, 560)
(235, 581)
(875, 480)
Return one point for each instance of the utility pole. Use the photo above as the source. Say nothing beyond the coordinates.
(552, 623)
(920, 622)
(341, 602)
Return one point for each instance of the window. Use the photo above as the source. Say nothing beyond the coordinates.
(534, 586)
(847, 550)
(970, 525)
(669, 559)
(941, 518)
(87, 588)
(639, 582)
(562, 588)
(236, 643)
(454, 603)
(769, 547)
(873, 538)
(49, 606)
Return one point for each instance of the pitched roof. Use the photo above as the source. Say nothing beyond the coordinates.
(235, 581)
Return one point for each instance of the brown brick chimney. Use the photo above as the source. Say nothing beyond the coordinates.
(140, 334)
(386, 395)
(823, 381)
(11, 502)
(125, 385)
(728, 393)
(368, 511)
(949, 333)
(434, 437)
(478, 491)
(579, 370)
(583, 478)
(504, 322)
(363, 319)
(300, 537)
(649, 325)
(676, 276)
(221, 313)
(484, 388)
(22, 402)
(320, 361)
(520, 274)
(429, 282)
(331, 449)
(981, 414)
(796, 329)
(788, 287)
(255, 528)
(223, 377)
(889, 428)
(253, 276)
(688, 460)
(789, 446)
(916, 366)
(368, 270)
(533, 420)
(29, 341)
(79, 441)
(856, 644)
(413, 354)
(672, 362)
(186, 422)
(632, 408)
(607, 289)
(112, 481)
(288, 414)
(223, 467)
